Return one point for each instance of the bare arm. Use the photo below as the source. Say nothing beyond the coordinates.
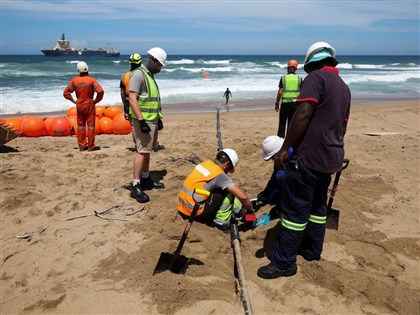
(243, 197)
(279, 94)
(132, 97)
(297, 130)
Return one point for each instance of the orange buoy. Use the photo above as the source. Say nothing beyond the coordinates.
(106, 125)
(100, 111)
(72, 111)
(73, 123)
(113, 110)
(47, 122)
(60, 126)
(33, 127)
(121, 126)
(14, 123)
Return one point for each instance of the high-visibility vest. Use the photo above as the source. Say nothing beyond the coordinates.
(291, 88)
(126, 82)
(149, 102)
(202, 174)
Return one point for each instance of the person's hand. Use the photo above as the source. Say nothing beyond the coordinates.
(160, 124)
(144, 127)
(280, 159)
(276, 107)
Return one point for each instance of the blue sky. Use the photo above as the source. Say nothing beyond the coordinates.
(364, 27)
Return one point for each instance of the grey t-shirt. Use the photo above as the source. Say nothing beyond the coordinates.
(221, 181)
(137, 82)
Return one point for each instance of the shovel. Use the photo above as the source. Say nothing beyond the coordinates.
(174, 261)
(333, 215)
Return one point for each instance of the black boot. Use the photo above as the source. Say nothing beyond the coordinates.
(138, 194)
(271, 272)
(149, 184)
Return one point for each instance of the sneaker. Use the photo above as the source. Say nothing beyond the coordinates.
(84, 148)
(272, 272)
(158, 147)
(138, 194)
(149, 184)
(95, 148)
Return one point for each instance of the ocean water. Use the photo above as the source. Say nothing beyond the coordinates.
(35, 84)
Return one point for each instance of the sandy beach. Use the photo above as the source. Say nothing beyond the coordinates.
(91, 265)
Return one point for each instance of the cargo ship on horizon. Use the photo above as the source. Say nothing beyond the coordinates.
(63, 49)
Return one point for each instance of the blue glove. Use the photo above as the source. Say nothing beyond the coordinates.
(280, 173)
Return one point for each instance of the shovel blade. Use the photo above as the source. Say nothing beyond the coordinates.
(169, 261)
(332, 219)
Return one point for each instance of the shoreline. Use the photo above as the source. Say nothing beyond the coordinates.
(200, 108)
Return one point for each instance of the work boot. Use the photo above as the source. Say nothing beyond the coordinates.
(149, 184)
(138, 194)
(224, 228)
(158, 147)
(271, 272)
(94, 148)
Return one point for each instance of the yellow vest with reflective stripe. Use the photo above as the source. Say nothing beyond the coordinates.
(202, 173)
(291, 88)
(149, 102)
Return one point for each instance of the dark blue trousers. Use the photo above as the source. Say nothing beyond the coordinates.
(303, 200)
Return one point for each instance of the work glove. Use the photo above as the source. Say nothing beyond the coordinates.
(144, 127)
(262, 198)
(160, 124)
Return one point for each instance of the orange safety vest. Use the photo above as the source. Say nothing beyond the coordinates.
(198, 178)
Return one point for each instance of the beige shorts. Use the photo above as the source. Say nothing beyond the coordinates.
(145, 142)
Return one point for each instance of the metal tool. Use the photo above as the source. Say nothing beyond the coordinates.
(333, 215)
(174, 261)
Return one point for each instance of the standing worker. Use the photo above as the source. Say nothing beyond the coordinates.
(225, 197)
(146, 119)
(317, 136)
(289, 87)
(135, 62)
(85, 87)
(227, 94)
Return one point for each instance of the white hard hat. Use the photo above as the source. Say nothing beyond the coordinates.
(319, 51)
(271, 145)
(82, 67)
(233, 157)
(159, 54)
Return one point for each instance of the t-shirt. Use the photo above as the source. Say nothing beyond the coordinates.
(137, 82)
(322, 147)
(221, 181)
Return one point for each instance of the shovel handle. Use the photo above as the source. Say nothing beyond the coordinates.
(199, 191)
(202, 192)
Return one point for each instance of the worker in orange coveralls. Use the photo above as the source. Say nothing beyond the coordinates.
(85, 87)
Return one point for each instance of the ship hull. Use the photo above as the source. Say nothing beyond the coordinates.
(79, 53)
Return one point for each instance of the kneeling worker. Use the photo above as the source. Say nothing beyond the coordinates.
(225, 197)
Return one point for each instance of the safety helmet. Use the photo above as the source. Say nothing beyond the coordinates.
(159, 54)
(271, 145)
(292, 63)
(135, 58)
(82, 67)
(319, 51)
(233, 157)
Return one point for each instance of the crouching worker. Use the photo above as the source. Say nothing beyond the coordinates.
(271, 193)
(225, 197)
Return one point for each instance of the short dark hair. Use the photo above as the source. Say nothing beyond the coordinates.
(222, 157)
